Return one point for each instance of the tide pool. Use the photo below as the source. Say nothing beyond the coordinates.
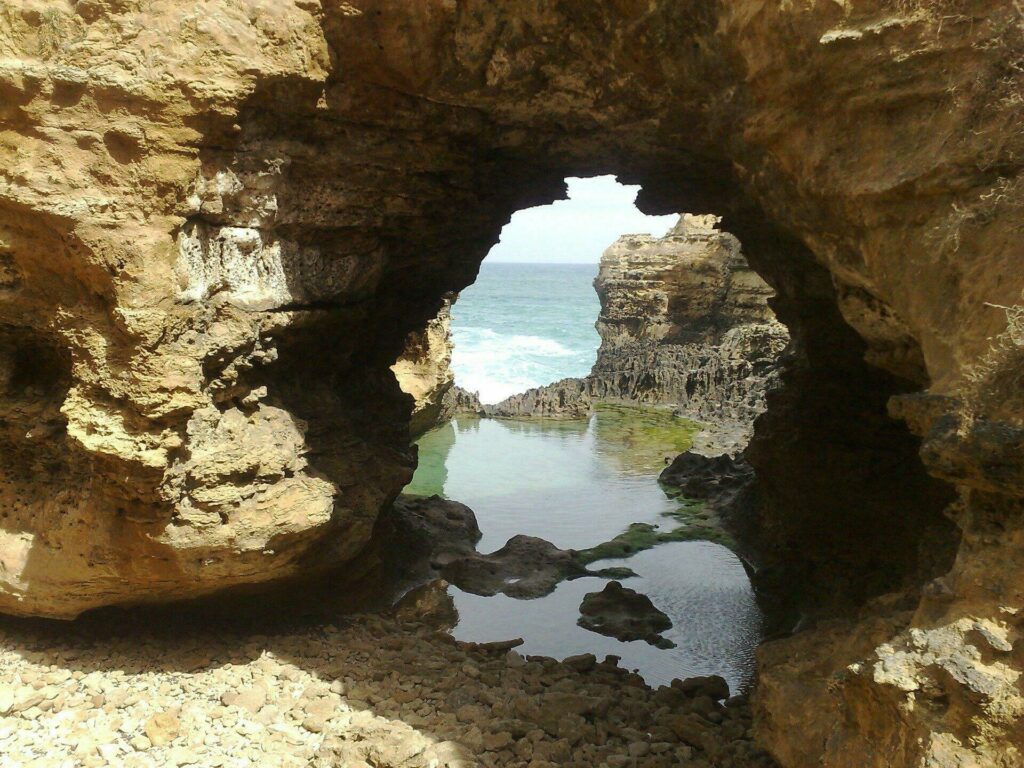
(577, 484)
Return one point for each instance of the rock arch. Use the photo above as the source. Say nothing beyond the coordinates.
(260, 200)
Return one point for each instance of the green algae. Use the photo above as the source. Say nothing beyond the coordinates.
(693, 525)
(641, 439)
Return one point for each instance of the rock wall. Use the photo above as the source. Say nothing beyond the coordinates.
(220, 220)
(424, 371)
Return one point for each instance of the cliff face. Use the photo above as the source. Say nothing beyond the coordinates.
(685, 320)
(219, 221)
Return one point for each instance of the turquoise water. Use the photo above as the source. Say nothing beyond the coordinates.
(524, 325)
(577, 484)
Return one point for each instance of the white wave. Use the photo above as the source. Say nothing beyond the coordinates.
(497, 366)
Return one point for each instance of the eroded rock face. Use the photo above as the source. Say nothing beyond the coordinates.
(685, 320)
(220, 221)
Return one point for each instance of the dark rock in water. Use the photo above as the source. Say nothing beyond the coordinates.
(625, 615)
(408, 537)
(526, 567)
(727, 488)
(431, 524)
(426, 537)
(706, 477)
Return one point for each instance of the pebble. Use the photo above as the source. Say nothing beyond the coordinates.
(371, 692)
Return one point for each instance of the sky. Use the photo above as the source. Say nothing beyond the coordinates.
(577, 230)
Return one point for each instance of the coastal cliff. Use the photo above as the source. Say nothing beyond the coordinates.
(684, 321)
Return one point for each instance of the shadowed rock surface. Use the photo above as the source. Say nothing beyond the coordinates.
(424, 372)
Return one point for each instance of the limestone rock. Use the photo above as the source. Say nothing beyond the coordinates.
(568, 398)
(219, 224)
(684, 321)
(424, 371)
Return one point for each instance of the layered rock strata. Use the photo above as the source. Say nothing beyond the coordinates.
(684, 322)
(220, 221)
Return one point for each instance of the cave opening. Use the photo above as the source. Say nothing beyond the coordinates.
(554, 431)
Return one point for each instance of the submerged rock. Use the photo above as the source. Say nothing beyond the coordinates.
(624, 614)
(526, 567)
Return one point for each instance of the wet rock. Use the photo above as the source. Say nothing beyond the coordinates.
(706, 477)
(567, 399)
(526, 567)
(713, 686)
(434, 525)
(625, 615)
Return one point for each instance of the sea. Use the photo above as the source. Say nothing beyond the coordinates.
(524, 325)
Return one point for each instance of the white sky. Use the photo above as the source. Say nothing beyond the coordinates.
(577, 230)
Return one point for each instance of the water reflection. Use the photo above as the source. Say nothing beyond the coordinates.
(577, 484)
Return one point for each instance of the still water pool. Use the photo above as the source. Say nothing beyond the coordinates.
(579, 483)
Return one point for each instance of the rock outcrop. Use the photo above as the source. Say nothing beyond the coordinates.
(568, 398)
(424, 372)
(219, 221)
(684, 322)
